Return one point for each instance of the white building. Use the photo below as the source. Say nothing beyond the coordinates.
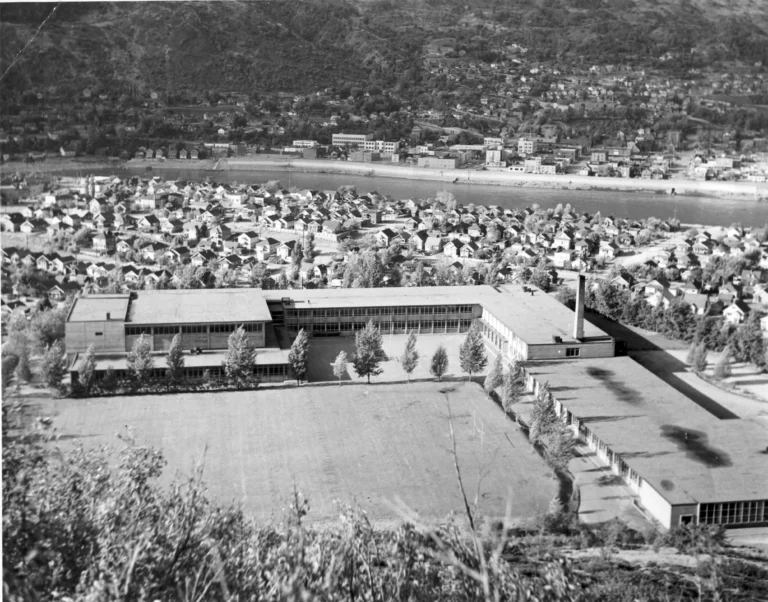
(344, 139)
(305, 143)
(526, 146)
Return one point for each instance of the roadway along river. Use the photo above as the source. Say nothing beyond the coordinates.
(689, 209)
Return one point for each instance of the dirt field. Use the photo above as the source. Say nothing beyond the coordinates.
(355, 443)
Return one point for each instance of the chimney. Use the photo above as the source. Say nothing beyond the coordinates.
(107, 315)
(578, 321)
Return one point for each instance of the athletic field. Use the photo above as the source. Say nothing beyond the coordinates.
(364, 444)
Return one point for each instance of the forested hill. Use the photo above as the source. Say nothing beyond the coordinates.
(303, 45)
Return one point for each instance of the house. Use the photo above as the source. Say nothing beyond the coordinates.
(104, 242)
(433, 244)
(562, 258)
(59, 292)
(153, 251)
(698, 302)
(453, 248)
(562, 240)
(469, 250)
(385, 237)
(608, 250)
(265, 248)
(419, 240)
(172, 226)
(202, 257)
(149, 223)
(331, 226)
(736, 312)
(177, 255)
(193, 230)
(285, 249)
(11, 222)
(32, 225)
(248, 239)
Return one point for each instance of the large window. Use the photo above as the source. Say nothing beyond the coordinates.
(572, 352)
(398, 325)
(399, 310)
(361, 311)
(305, 313)
(165, 330)
(413, 325)
(453, 324)
(253, 327)
(134, 331)
(345, 312)
(194, 329)
(439, 324)
(223, 328)
(440, 309)
(332, 313)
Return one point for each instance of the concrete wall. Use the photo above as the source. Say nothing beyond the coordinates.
(654, 503)
(107, 336)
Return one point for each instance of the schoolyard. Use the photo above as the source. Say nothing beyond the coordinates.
(323, 352)
(366, 444)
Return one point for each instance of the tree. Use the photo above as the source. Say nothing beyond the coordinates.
(510, 392)
(23, 371)
(410, 358)
(297, 254)
(368, 351)
(175, 359)
(53, 367)
(48, 326)
(700, 358)
(309, 248)
(472, 358)
(543, 415)
(722, 367)
(439, 365)
(238, 363)
(87, 370)
(340, 365)
(139, 359)
(561, 445)
(298, 355)
(691, 355)
(495, 377)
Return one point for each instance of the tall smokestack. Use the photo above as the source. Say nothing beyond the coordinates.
(578, 321)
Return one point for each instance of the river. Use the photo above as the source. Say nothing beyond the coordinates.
(636, 205)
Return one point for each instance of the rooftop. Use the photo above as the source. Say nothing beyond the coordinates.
(685, 453)
(533, 318)
(199, 306)
(98, 307)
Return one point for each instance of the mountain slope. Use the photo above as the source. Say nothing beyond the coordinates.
(303, 45)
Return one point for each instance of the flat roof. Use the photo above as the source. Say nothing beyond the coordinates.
(536, 318)
(533, 318)
(95, 308)
(685, 453)
(199, 306)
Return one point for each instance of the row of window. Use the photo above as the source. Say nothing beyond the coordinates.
(386, 327)
(192, 329)
(267, 370)
(731, 513)
(377, 311)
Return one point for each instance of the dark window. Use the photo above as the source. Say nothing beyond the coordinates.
(572, 352)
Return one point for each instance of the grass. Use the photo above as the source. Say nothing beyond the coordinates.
(371, 445)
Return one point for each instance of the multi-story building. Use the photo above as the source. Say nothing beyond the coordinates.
(382, 146)
(527, 146)
(305, 143)
(348, 139)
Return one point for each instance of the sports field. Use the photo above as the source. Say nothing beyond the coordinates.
(364, 444)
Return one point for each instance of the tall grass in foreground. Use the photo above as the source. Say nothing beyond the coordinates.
(78, 527)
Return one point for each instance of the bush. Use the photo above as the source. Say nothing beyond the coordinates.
(694, 539)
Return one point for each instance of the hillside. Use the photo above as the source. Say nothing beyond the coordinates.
(303, 45)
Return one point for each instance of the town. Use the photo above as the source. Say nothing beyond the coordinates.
(384, 300)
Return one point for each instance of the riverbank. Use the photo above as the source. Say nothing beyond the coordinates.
(277, 163)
